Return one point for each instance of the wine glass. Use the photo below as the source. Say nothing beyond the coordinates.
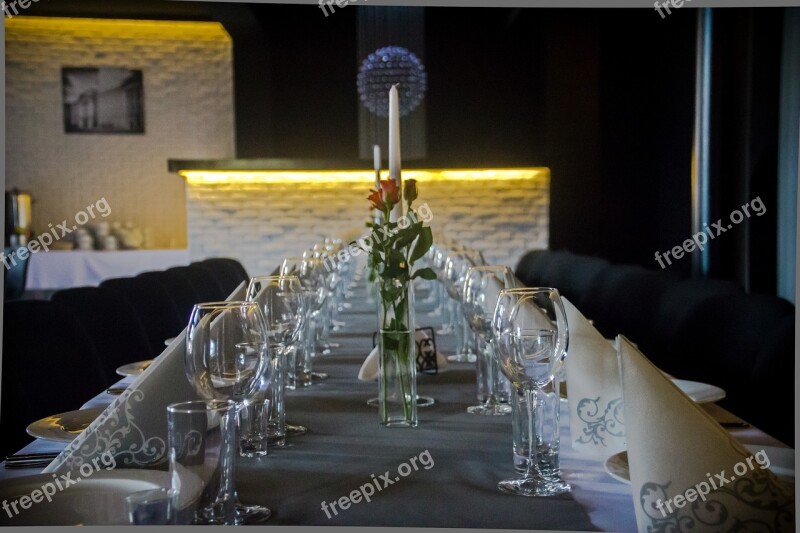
(455, 269)
(437, 264)
(530, 327)
(309, 271)
(283, 304)
(482, 286)
(227, 357)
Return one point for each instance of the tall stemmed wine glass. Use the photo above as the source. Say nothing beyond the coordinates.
(482, 286)
(532, 335)
(455, 269)
(227, 357)
(283, 304)
(309, 271)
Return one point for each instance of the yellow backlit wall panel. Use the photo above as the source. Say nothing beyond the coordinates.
(261, 217)
(196, 177)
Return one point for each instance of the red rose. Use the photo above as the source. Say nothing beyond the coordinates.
(386, 197)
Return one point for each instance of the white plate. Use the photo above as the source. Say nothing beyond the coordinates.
(134, 369)
(96, 500)
(700, 392)
(781, 462)
(64, 427)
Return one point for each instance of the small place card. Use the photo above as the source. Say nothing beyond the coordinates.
(426, 350)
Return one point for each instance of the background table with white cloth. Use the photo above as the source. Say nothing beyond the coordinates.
(59, 269)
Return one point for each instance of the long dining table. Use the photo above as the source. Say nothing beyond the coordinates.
(442, 473)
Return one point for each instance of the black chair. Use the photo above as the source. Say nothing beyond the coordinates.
(49, 366)
(735, 341)
(574, 275)
(531, 267)
(112, 326)
(622, 301)
(232, 265)
(225, 273)
(179, 288)
(774, 373)
(669, 316)
(156, 310)
(16, 273)
(206, 286)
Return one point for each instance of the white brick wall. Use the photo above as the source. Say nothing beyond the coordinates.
(189, 114)
(261, 224)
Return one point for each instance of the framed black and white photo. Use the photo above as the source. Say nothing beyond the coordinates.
(102, 100)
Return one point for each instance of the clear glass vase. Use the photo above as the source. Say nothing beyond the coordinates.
(398, 359)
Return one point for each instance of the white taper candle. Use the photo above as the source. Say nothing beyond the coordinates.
(394, 143)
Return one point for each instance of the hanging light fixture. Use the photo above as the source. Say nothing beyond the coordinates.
(388, 66)
(391, 50)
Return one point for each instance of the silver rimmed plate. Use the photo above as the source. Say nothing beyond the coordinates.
(134, 369)
(98, 499)
(64, 427)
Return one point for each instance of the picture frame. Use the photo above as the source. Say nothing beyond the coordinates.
(101, 100)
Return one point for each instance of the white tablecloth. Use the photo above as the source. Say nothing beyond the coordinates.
(75, 268)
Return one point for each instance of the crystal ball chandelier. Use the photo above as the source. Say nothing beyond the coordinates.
(387, 66)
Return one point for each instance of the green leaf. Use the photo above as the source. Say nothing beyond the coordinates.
(423, 244)
(425, 273)
(406, 236)
(390, 292)
(395, 265)
(390, 342)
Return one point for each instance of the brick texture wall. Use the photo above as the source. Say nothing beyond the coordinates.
(189, 114)
(261, 224)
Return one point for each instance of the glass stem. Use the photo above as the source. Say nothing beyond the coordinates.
(530, 397)
(485, 350)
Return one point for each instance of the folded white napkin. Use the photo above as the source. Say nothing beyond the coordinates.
(594, 389)
(134, 427)
(687, 472)
(371, 367)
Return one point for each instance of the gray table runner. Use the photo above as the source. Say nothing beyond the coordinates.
(346, 447)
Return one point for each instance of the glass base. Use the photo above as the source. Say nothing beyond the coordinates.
(422, 401)
(490, 409)
(251, 514)
(254, 449)
(327, 348)
(533, 487)
(302, 380)
(425, 401)
(276, 441)
(295, 431)
(399, 423)
(462, 358)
